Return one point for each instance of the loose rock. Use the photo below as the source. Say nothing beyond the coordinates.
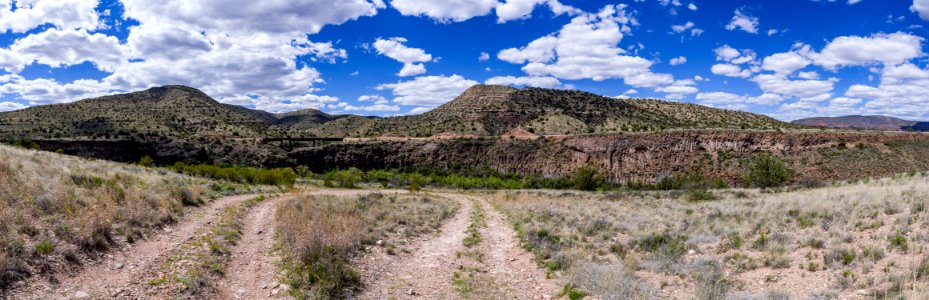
(81, 295)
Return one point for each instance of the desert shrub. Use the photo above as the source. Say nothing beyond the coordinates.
(611, 282)
(25, 143)
(348, 178)
(767, 171)
(899, 241)
(588, 178)
(711, 281)
(147, 161)
(189, 196)
(777, 259)
(278, 176)
(571, 292)
(12, 265)
(303, 171)
(44, 247)
(698, 195)
(663, 245)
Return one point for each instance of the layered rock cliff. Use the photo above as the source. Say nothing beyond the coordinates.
(646, 157)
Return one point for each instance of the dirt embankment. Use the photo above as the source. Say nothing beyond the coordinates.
(646, 157)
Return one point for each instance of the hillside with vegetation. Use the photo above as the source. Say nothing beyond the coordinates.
(178, 112)
(486, 110)
(57, 210)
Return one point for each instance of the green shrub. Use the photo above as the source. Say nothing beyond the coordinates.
(147, 161)
(700, 195)
(588, 178)
(767, 171)
(279, 176)
(664, 245)
(899, 241)
(344, 178)
(303, 171)
(44, 247)
(24, 143)
(572, 292)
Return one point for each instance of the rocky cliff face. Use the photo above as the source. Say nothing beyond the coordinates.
(646, 157)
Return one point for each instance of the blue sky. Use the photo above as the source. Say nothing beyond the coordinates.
(788, 59)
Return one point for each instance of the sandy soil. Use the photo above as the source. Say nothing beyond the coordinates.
(511, 267)
(253, 270)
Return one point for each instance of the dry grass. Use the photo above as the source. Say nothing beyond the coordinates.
(58, 210)
(855, 240)
(318, 235)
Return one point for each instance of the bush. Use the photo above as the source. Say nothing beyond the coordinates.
(26, 143)
(279, 176)
(588, 179)
(700, 195)
(344, 178)
(767, 171)
(147, 161)
(663, 245)
(711, 281)
(44, 247)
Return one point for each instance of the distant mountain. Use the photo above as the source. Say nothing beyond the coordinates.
(858, 122)
(919, 126)
(305, 118)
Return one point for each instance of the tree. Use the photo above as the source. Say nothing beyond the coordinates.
(587, 178)
(767, 171)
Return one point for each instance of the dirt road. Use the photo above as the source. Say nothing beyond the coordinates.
(428, 271)
(425, 272)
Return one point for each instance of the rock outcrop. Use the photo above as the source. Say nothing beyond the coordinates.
(642, 157)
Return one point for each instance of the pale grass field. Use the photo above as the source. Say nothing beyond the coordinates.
(58, 210)
(320, 234)
(859, 240)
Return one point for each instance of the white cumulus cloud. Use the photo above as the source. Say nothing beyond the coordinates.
(743, 22)
(29, 14)
(921, 7)
(58, 48)
(412, 58)
(521, 9)
(10, 106)
(428, 91)
(445, 11)
(542, 82)
(887, 49)
(587, 48)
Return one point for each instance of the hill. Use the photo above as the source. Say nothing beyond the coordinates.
(177, 123)
(180, 112)
(168, 111)
(488, 110)
(857, 122)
